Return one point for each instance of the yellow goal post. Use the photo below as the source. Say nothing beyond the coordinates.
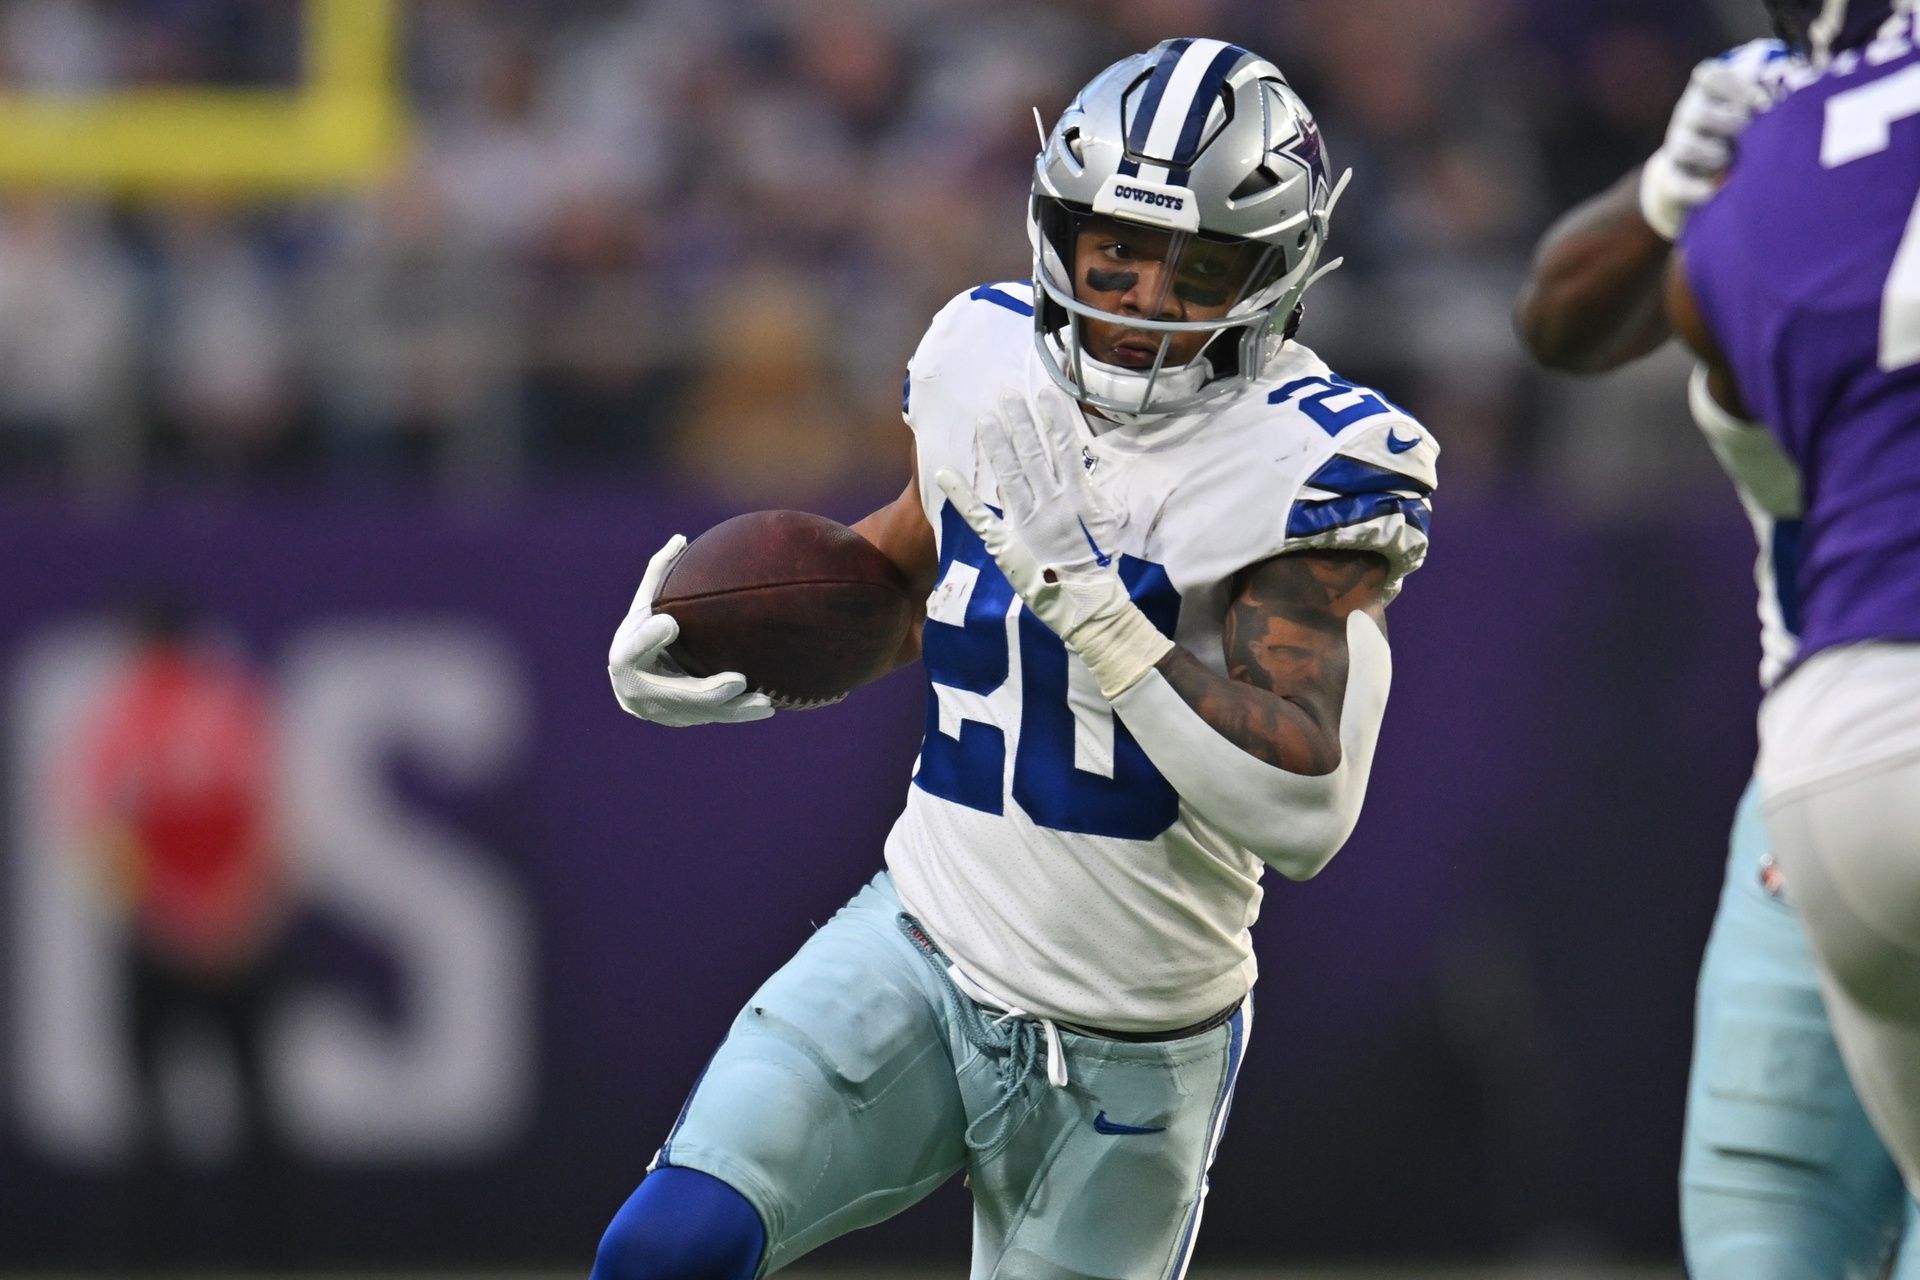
(342, 127)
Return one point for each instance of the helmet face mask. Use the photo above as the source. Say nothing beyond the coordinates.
(1179, 211)
(1149, 302)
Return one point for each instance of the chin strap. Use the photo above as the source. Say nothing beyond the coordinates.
(1111, 382)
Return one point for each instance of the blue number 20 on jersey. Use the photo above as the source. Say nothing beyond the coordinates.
(1136, 803)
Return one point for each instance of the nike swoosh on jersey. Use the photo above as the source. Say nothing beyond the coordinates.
(1396, 445)
(1113, 1128)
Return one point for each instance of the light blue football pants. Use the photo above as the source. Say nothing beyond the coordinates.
(1781, 1175)
(857, 1080)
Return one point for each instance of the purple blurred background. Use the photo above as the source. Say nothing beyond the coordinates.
(648, 264)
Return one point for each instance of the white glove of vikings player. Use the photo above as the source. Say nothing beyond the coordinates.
(647, 682)
(1057, 543)
(1724, 94)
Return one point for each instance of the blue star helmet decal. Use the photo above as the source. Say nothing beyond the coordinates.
(1306, 151)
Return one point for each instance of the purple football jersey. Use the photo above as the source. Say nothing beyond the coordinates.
(1806, 272)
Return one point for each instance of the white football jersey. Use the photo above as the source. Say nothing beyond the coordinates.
(1039, 846)
(1769, 487)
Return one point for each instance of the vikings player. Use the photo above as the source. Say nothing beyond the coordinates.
(1158, 538)
(1781, 1174)
(1799, 286)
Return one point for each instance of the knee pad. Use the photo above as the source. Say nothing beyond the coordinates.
(682, 1224)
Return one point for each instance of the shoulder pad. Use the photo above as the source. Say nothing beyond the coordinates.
(990, 311)
(1015, 296)
(1373, 490)
(986, 317)
(1393, 442)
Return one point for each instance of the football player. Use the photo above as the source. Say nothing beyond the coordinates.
(1796, 285)
(1781, 1174)
(1158, 537)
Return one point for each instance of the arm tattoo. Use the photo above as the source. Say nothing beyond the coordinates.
(1285, 637)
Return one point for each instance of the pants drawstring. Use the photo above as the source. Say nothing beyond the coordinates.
(1056, 1053)
(1018, 1041)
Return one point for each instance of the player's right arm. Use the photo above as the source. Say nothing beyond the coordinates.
(902, 534)
(1592, 299)
(649, 685)
(647, 682)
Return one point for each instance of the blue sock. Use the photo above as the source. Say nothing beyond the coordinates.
(682, 1224)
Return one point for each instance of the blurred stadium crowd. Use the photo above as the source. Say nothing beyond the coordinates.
(701, 236)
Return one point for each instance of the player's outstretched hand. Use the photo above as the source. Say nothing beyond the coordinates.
(1053, 543)
(1057, 543)
(1723, 95)
(647, 682)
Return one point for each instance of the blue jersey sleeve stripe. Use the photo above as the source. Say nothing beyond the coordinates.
(906, 393)
(987, 293)
(1308, 518)
(1349, 476)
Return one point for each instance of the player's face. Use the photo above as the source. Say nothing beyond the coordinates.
(1125, 269)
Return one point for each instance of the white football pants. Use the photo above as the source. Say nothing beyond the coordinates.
(1840, 783)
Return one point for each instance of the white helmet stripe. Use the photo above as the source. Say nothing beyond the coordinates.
(1191, 120)
(1177, 103)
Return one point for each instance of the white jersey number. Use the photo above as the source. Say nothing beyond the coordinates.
(1860, 124)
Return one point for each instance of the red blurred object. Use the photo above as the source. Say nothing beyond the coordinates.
(176, 773)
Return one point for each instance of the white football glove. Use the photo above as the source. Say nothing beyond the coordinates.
(1058, 542)
(649, 684)
(1724, 94)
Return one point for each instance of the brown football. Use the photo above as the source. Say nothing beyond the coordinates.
(804, 607)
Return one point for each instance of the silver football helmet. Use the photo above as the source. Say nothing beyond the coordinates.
(1204, 159)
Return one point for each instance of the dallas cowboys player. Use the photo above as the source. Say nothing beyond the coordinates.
(1797, 286)
(1158, 537)
(1781, 1173)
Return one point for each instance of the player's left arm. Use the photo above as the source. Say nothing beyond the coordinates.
(1278, 758)
(1285, 637)
(1277, 753)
